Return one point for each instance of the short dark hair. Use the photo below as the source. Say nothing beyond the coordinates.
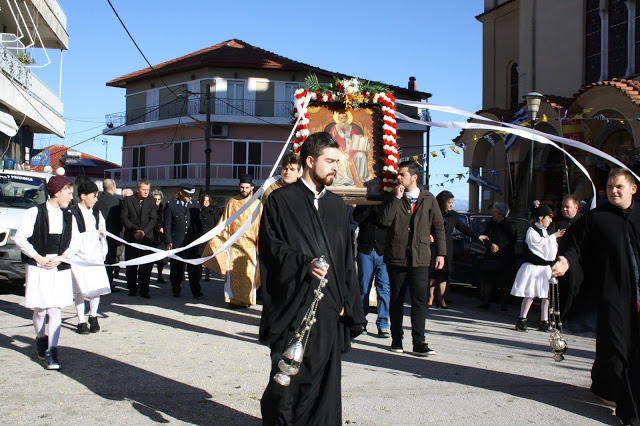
(443, 197)
(290, 158)
(315, 145)
(87, 187)
(143, 182)
(572, 198)
(412, 165)
(619, 171)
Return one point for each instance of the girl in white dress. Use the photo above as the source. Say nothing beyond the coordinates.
(532, 280)
(89, 282)
(47, 234)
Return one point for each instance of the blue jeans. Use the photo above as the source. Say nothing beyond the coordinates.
(370, 265)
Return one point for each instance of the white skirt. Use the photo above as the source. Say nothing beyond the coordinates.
(47, 288)
(90, 281)
(532, 281)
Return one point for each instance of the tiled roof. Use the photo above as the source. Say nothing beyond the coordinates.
(235, 54)
(56, 152)
(630, 88)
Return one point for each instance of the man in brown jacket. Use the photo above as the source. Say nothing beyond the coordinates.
(411, 215)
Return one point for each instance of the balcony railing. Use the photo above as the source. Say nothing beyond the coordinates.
(233, 107)
(193, 172)
(22, 75)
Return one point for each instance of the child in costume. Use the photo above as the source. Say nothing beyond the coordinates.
(89, 282)
(532, 279)
(47, 234)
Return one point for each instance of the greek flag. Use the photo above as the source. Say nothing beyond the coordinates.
(519, 118)
(475, 179)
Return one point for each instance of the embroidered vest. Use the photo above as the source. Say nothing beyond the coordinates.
(42, 242)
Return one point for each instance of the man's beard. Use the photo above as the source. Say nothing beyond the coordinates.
(245, 196)
(326, 180)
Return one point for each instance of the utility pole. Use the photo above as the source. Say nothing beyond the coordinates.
(207, 139)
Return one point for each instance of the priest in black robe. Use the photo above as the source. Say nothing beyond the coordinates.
(605, 244)
(300, 223)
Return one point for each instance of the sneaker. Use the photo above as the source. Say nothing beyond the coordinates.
(521, 324)
(422, 349)
(397, 347)
(42, 343)
(83, 328)
(94, 327)
(383, 333)
(543, 326)
(51, 359)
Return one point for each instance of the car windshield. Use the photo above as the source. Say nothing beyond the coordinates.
(21, 192)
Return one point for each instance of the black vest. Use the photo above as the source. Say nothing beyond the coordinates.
(529, 257)
(82, 227)
(43, 243)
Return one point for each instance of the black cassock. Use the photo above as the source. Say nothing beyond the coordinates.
(292, 234)
(605, 244)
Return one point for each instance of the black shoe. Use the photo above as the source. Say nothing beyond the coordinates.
(543, 326)
(198, 296)
(83, 328)
(422, 349)
(206, 280)
(94, 327)
(161, 280)
(133, 292)
(145, 295)
(114, 289)
(51, 359)
(42, 343)
(383, 333)
(521, 324)
(396, 347)
(483, 306)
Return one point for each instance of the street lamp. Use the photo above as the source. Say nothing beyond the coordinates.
(533, 106)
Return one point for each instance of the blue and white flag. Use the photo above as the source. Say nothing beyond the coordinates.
(40, 159)
(519, 118)
(475, 179)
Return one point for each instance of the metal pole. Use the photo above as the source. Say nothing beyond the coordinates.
(530, 191)
(426, 159)
(207, 138)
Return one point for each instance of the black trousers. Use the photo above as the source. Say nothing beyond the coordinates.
(138, 276)
(177, 273)
(110, 259)
(417, 280)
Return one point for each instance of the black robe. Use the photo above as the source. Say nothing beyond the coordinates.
(605, 244)
(292, 233)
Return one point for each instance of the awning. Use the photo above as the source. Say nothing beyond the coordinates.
(8, 125)
(82, 162)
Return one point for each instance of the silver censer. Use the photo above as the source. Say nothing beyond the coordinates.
(292, 357)
(556, 340)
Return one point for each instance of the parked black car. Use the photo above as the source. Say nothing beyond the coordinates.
(468, 253)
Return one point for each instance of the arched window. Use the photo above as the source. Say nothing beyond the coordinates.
(592, 42)
(618, 39)
(513, 85)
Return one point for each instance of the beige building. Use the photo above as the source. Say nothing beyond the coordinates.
(584, 56)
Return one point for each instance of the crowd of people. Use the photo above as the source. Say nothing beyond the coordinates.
(403, 244)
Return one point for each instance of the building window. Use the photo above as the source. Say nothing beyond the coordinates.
(180, 156)
(592, 42)
(247, 158)
(173, 101)
(139, 163)
(513, 86)
(235, 98)
(618, 22)
(637, 35)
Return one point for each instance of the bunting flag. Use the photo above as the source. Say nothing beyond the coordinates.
(519, 118)
(601, 117)
(494, 172)
(434, 155)
(443, 152)
(573, 126)
(460, 176)
(475, 179)
(453, 148)
(446, 175)
(489, 139)
(463, 145)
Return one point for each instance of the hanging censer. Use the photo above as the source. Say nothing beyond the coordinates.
(292, 357)
(556, 339)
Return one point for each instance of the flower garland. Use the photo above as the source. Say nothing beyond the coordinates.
(351, 93)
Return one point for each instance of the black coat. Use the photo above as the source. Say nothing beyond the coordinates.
(181, 223)
(133, 218)
(110, 206)
(451, 222)
(371, 235)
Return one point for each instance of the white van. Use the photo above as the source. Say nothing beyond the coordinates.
(19, 191)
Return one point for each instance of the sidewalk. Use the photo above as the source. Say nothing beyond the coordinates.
(182, 361)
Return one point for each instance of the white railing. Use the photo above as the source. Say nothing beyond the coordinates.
(193, 172)
(21, 74)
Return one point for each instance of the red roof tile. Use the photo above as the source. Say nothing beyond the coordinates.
(56, 152)
(630, 88)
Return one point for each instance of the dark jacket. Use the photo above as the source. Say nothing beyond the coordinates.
(371, 235)
(158, 230)
(134, 218)
(110, 206)
(504, 235)
(181, 223)
(408, 242)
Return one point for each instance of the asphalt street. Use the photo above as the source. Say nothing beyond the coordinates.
(185, 361)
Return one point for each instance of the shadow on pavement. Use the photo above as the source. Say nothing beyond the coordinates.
(152, 395)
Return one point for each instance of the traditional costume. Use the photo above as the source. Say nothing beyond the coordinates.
(297, 226)
(240, 262)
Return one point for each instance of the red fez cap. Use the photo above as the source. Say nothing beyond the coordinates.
(55, 184)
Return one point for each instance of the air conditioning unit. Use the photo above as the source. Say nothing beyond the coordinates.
(219, 130)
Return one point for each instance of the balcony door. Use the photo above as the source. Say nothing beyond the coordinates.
(235, 97)
(247, 158)
(180, 156)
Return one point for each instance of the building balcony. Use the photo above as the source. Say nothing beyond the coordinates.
(46, 15)
(222, 174)
(27, 96)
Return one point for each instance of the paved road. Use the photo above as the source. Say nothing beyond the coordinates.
(182, 361)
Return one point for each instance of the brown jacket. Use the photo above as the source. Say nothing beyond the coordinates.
(408, 242)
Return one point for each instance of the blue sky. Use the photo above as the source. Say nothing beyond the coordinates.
(438, 42)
